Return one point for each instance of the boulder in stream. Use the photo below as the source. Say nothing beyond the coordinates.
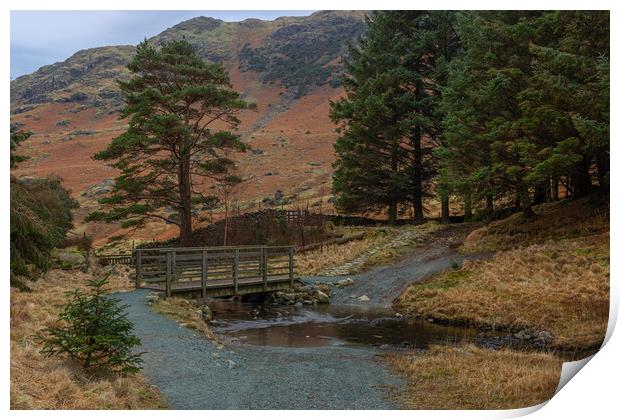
(322, 297)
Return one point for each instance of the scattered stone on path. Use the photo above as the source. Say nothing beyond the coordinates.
(205, 313)
(231, 364)
(345, 283)
(363, 298)
(151, 299)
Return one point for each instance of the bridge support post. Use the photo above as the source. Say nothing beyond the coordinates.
(168, 274)
(291, 263)
(138, 268)
(203, 277)
(263, 264)
(235, 270)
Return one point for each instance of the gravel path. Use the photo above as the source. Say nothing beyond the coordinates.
(194, 373)
(384, 284)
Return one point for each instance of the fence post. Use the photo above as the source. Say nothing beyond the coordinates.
(263, 261)
(235, 269)
(290, 266)
(203, 278)
(169, 274)
(138, 268)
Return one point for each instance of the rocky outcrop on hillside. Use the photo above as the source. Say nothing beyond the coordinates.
(87, 77)
(299, 53)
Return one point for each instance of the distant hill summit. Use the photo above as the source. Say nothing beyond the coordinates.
(290, 67)
(299, 53)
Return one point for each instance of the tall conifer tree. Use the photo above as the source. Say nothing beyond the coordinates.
(172, 101)
(393, 95)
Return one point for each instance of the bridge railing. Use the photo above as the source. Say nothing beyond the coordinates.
(213, 266)
(113, 259)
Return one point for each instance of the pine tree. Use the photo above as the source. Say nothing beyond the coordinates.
(16, 138)
(41, 215)
(488, 151)
(172, 101)
(391, 111)
(371, 166)
(567, 104)
(96, 332)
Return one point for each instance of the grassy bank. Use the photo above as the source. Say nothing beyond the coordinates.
(57, 383)
(550, 273)
(469, 377)
(185, 313)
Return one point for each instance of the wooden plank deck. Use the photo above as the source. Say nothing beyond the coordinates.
(226, 288)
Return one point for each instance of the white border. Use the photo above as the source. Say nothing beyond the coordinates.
(593, 393)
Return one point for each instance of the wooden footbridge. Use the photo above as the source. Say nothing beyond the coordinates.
(213, 271)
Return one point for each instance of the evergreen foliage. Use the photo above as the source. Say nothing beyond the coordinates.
(391, 113)
(40, 218)
(96, 332)
(490, 106)
(16, 138)
(527, 104)
(172, 101)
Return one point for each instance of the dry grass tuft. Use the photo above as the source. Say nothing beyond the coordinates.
(185, 313)
(559, 220)
(473, 378)
(311, 263)
(380, 246)
(57, 383)
(560, 286)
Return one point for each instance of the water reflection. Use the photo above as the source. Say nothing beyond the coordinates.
(328, 325)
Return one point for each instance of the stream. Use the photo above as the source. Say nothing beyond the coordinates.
(328, 325)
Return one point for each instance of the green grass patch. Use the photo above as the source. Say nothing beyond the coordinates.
(446, 281)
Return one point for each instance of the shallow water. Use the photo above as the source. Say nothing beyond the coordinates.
(327, 325)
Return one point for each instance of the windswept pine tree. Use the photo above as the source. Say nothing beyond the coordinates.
(391, 113)
(173, 101)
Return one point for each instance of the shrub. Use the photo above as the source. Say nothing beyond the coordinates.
(83, 242)
(40, 218)
(96, 332)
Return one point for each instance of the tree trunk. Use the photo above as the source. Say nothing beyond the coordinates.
(418, 210)
(185, 210)
(527, 203)
(225, 218)
(490, 205)
(581, 179)
(445, 209)
(393, 213)
(602, 171)
(555, 188)
(393, 204)
(540, 193)
(467, 206)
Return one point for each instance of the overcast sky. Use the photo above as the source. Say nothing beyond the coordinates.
(45, 37)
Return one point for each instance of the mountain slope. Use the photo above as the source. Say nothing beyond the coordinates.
(289, 67)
